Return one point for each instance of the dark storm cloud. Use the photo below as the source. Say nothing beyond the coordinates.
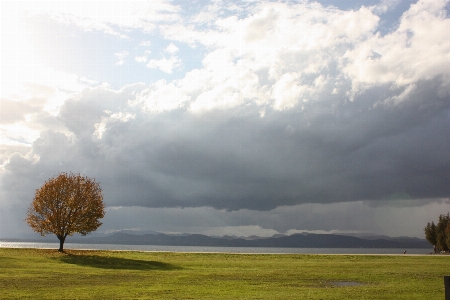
(236, 159)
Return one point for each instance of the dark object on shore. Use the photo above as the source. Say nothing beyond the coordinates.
(447, 287)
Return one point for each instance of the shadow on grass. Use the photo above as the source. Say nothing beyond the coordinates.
(116, 263)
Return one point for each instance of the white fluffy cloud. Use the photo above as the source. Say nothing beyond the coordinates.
(121, 56)
(305, 42)
(167, 65)
(172, 49)
(417, 50)
(161, 96)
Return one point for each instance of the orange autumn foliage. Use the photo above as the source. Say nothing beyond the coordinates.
(66, 204)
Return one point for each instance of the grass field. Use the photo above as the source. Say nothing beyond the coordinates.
(76, 274)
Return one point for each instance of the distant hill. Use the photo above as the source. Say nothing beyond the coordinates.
(301, 240)
(291, 241)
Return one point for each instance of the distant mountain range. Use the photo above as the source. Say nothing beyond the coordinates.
(302, 240)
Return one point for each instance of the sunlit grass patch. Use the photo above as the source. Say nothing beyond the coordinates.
(37, 273)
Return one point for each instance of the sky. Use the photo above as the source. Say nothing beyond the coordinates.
(230, 117)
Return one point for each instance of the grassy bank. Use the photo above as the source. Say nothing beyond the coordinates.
(37, 273)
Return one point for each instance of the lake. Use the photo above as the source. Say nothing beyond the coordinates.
(264, 250)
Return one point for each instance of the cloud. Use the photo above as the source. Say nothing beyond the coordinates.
(121, 56)
(286, 92)
(328, 42)
(385, 5)
(164, 64)
(145, 43)
(33, 109)
(141, 59)
(14, 111)
(349, 217)
(172, 49)
(160, 96)
(201, 140)
(293, 106)
(100, 127)
(111, 18)
(235, 159)
(398, 51)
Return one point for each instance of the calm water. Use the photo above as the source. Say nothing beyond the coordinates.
(217, 249)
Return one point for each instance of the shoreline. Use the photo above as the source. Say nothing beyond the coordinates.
(235, 253)
(226, 250)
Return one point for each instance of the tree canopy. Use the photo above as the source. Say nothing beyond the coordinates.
(439, 235)
(66, 204)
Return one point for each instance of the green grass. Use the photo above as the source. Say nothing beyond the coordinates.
(39, 273)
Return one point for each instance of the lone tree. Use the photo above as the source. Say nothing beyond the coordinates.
(66, 204)
(439, 235)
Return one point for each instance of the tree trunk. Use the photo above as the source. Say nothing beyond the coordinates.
(61, 242)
